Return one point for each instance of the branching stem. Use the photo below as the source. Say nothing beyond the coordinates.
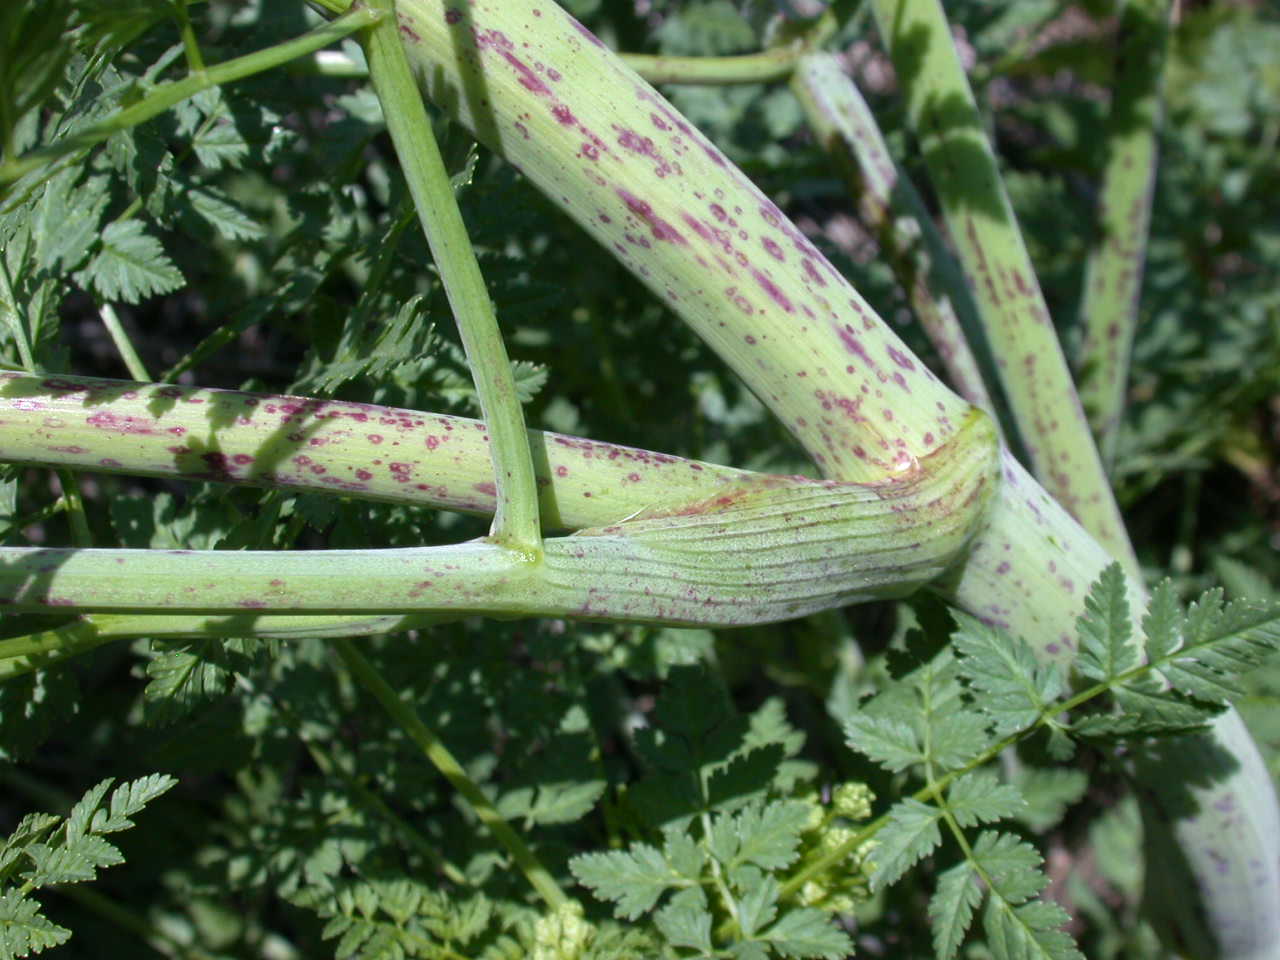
(166, 95)
(515, 522)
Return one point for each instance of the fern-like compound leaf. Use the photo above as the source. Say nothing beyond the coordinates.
(634, 879)
(910, 834)
(951, 908)
(980, 798)
(1012, 687)
(1105, 630)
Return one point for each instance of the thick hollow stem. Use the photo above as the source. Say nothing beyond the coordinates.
(304, 444)
(1113, 278)
(963, 169)
(758, 550)
(542, 91)
(1210, 810)
(890, 206)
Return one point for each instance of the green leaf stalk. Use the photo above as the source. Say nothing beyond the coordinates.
(515, 519)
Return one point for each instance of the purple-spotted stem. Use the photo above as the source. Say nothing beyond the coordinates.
(892, 210)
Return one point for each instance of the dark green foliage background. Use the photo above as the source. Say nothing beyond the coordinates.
(280, 207)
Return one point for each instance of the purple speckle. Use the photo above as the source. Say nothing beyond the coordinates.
(662, 230)
(528, 79)
(452, 17)
(586, 33)
(774, 250)
(901, 359)
(771, 288)
(697, 227)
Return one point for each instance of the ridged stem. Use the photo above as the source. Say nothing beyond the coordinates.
(758, 550)
(892, 209)
(1113, 276)
(962, 167)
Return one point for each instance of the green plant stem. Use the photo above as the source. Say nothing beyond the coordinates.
(166, 95)
(616, 157)
(128, 353)
(761, 550)
(1113, 275)
(892, 209)
(515, 522)
(962, 165)
(435, 751)
(19, 655)
(768, 65)
(190, 45)
(327, 446)
(71, 500)
(73, 504)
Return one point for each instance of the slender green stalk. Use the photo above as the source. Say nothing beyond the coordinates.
(73, 504)
(19, 655)
(890, 206)
(20, 329)
(1113, 277)
(120, 337)
(166, 95)
(515, 521)
(776, 63)
(962, 166)
(195, 59)
(435, 751)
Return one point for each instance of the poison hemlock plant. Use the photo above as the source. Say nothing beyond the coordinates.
(50, 851)
(953, 712)
(252, 196)
(732, 814)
